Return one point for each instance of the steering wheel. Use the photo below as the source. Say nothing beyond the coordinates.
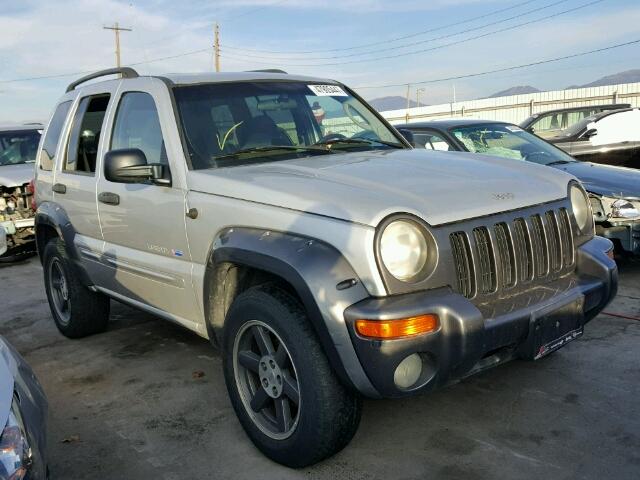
(332, 136)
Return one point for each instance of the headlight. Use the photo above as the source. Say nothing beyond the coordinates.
(624, 209)
(581, 209)
(403, 249)
(15, 454)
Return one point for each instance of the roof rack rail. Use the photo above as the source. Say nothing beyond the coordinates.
(268, 70)
(126, 72)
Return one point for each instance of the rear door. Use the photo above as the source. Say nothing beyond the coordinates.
(74, 183)
(146, 250)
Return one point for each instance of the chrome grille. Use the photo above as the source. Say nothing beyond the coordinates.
(538, 247)
(523, 251)
(486, 260)
(540, 251)
(566, 238)
(463, 262)
(506, 255)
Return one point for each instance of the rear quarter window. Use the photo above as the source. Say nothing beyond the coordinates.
(52, 136)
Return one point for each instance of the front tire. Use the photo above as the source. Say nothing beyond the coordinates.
(286, 396)
(76, 310)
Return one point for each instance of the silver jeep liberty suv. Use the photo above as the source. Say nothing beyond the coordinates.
(283, 219)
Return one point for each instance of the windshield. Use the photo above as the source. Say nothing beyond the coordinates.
(18, 147)
(229, 124)
(509, 141)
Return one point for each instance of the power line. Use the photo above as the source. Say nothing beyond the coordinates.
(384, 42)
(500, 70)
(458, 42)
(395, 47)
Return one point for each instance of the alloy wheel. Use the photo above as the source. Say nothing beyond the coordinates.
(266, 379)
(59, 291)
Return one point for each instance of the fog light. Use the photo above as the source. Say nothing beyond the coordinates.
(408, 371)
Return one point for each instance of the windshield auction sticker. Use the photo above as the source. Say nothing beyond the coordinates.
(328, 91)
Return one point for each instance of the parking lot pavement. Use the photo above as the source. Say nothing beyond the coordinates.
(147, 400)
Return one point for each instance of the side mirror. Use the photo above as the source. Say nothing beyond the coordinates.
(408, 135)
(592, 132)
(129, 165)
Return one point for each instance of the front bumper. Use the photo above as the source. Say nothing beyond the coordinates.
(625, 233)
(14, 234)
(472, 338)
(3, 240)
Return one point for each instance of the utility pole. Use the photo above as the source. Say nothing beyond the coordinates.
(418, 92)
(216, 46)
(408, 102)
(117, 29)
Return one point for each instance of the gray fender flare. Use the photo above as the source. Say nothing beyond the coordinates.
(53, 215)
(323, 279)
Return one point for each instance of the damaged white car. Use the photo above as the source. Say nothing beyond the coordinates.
(18, 147)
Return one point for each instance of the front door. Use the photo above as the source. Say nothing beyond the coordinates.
(146, 250)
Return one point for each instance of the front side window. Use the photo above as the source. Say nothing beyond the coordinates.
(18, 146)
(82, 150)
(137, 126)
(509, 141)
(229, 124)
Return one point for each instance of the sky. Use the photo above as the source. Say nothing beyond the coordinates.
(347, 40)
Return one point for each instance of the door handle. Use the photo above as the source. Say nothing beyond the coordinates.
(59, 188)
(109, 198)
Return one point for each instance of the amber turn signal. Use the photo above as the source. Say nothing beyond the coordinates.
(399, 328)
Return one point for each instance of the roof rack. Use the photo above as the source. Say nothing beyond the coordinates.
(126, 72)
(268, 70)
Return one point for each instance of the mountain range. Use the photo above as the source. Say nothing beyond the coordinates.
(397, 102)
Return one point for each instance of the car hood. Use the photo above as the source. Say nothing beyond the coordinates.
(16, 175)
(605, 179)
(364, 187)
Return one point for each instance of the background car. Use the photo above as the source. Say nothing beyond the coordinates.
(554, 122)
(23, 413)
(611, 138)
(18, 147)
(614, 191)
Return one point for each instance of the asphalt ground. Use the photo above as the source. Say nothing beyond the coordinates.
(146, 400)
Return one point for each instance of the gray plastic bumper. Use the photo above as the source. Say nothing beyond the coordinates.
(469, 340)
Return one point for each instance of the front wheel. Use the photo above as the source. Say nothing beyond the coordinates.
(281, 385)
(76, 310)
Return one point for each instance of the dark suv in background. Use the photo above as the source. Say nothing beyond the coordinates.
(553, 122)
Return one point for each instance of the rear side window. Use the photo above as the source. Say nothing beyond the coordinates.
(84, 139)
(137, 126)
(52, 137)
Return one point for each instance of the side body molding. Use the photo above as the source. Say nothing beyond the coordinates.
(323, 279)
(53, 215)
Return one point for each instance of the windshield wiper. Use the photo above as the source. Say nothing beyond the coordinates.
(558, 162)
(360, 141)
(272, 148)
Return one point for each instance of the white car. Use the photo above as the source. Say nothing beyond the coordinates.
(327, 258)
(18, 147)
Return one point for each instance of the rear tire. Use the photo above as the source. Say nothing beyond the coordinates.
(284, 392)
(76, 310)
